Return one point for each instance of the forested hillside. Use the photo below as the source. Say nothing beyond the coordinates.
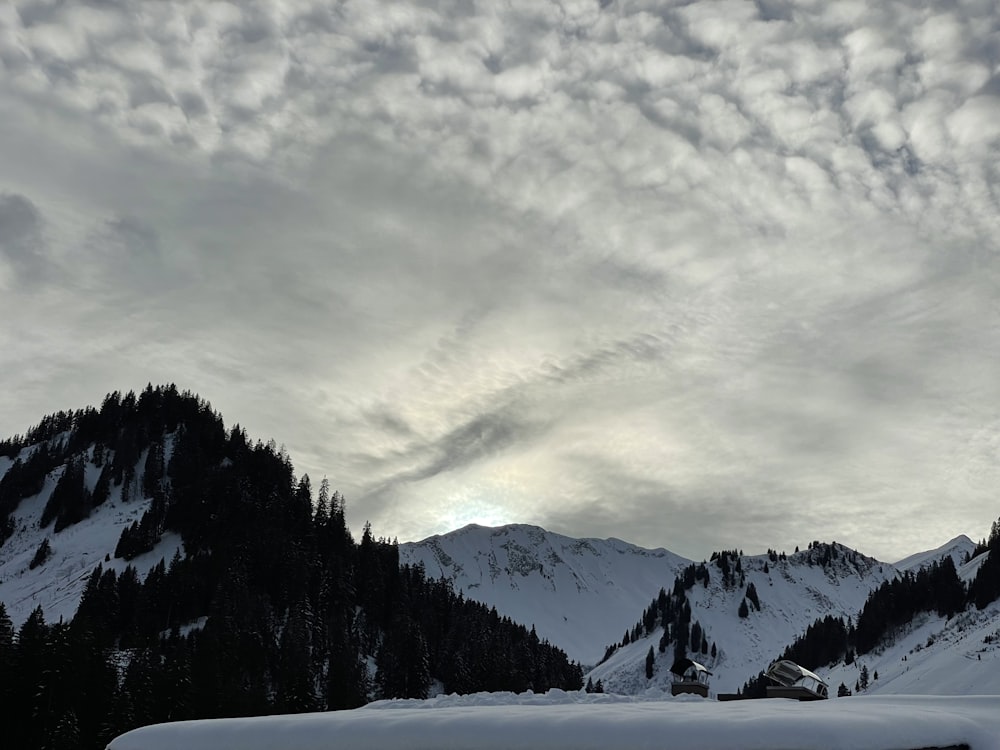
(269, 605)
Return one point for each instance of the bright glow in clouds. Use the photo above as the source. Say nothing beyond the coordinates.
(695, 275)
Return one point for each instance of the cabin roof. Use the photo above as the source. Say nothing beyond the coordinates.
(787, 672)
(682, 666)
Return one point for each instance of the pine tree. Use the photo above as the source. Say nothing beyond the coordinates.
(650, 660)
(7, 656)
(42, 554)
(744, 611)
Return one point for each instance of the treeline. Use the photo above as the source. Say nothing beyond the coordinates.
(985, 587)
(112, 439)
(889, 609)
(272, 607)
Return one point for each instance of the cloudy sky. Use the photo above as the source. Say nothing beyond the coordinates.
(692, 274)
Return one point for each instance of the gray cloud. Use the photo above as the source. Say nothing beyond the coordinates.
(678, 273)
(21, 242)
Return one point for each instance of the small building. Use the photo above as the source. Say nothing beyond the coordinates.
(689, 677)
(792, 681)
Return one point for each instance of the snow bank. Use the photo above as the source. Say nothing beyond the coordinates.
(577, 721)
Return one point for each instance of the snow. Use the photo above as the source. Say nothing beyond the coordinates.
(793, 594)
(934, 657)
(577, 721)
(58, 584)
(582, 594)
(579, 594)
(957, 548)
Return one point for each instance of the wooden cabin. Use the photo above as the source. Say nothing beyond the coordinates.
(689, 677)
(792, 681)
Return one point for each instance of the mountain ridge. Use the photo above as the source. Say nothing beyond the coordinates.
(577, 592)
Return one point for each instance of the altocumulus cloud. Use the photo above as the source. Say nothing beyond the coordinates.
(691, 274)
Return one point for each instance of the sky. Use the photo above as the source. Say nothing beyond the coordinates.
(696, 275)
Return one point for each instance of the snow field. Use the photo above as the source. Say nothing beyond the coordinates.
(559, 720)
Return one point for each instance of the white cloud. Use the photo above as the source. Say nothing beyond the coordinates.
(580, 263)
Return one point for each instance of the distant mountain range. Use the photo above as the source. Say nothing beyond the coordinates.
(585, 594)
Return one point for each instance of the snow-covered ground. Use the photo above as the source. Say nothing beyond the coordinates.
(58, 584)
(580, 594)
(936, 656)
(578, 721)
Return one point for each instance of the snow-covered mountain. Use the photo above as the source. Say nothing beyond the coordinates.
(957, 549)
(934, 655)
(57, 583)
(793, 592)
(580, 594)
(584, 594)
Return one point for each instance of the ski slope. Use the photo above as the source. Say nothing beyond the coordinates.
(579, 721)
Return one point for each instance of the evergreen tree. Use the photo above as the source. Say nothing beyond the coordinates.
(650, 660)
(42, 554)
(8, 655)
(696, 637)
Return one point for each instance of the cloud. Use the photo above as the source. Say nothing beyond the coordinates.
(21, 240)
(660, 271)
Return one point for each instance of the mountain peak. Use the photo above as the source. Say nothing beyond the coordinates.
(579, 593)
(956, 548)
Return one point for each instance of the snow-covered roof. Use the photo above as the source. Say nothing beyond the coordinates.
(787, 673)
(684, 666)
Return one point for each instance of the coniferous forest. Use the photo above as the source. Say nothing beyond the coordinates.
(272, 607)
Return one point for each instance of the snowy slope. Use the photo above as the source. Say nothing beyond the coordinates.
(793, 594)
(577, 721)
(957, 549)
(58, 584)
(580, 594)
(935, 655)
